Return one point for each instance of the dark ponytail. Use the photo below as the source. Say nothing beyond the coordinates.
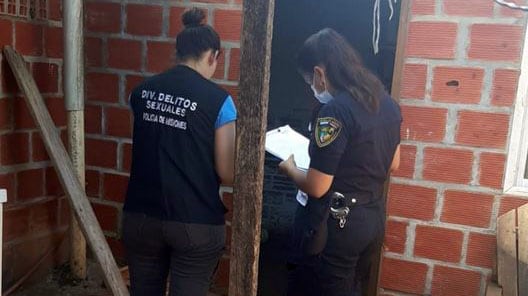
(197, 37)
(343, 67)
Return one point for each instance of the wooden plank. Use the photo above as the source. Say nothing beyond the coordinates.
(251, 129)
(399, 61)
(67, 175)
(522, 218)
(493, 290)
(507, 253)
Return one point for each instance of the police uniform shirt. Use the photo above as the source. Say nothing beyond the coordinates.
(355, 145)
(173, 174)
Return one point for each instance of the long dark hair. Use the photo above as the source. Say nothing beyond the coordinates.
(343, 67)
(197, 37)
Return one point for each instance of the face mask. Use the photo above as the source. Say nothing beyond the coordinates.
(323, 97)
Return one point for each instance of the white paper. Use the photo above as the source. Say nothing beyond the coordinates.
(284, 141)
(302, 198)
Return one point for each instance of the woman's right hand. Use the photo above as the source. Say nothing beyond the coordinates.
(287, 165)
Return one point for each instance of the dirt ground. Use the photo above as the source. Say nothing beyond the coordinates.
(61, 283)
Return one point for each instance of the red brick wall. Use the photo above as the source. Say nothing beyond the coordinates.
(459, 83)
(445, 199)
(443, 202)
(35, 216)
(124, 43)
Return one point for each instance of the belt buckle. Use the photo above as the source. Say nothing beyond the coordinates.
(338, 208)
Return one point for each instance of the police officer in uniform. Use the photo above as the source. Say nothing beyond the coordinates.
(354, 145)
(183, 149)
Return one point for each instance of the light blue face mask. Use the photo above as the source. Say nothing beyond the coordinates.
(323, 97)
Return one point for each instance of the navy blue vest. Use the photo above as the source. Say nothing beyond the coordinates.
(173, 175)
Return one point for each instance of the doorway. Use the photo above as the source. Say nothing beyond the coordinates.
(291, 102)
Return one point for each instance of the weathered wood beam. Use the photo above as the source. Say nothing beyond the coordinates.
(399, 61)
(522, 235)
(507, 253)
(251, 129)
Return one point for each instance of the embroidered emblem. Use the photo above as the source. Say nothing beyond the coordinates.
(326, 131)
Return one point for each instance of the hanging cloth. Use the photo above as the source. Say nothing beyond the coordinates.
(376, 24)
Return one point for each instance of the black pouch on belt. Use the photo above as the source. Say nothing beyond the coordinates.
(311, 226)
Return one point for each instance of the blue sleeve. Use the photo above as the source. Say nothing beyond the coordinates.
(227, 113)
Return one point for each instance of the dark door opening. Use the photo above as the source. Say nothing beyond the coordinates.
(291, 102)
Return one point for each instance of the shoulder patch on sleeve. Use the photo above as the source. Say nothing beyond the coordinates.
(326, 131)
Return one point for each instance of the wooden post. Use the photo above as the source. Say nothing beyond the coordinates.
(67, 174)
(507, 253)
(399, 61)
(76, 149)
(73, 83)
(522, 249)
(251, 129)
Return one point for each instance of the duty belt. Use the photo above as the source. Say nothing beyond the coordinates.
(340, 205)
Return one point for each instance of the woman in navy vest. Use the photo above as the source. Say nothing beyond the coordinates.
(354, 144)
(183, 149)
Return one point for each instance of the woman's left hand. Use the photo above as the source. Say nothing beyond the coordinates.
(287, 165)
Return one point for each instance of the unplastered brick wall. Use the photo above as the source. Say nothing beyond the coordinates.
(36, 215)
(459, 84)
(127, 41)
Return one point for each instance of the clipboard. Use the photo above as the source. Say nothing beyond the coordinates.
(285, 141)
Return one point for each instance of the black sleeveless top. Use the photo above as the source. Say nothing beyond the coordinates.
(173, 174)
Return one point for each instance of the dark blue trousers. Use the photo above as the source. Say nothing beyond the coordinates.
(156, 251)
(338, 269)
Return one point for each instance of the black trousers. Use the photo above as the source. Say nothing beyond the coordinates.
(338, 269)
(155, 249)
